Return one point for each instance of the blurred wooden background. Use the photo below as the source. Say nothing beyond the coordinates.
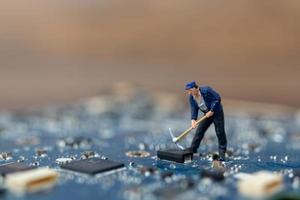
(56, 51)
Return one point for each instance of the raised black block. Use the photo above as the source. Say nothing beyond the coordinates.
(13, 167)
(175, 155)
(92, 165)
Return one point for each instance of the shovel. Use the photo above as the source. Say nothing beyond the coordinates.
(183, 134)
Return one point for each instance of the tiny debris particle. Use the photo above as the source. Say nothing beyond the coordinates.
(147, 170)
(87, 154)
(41, 152)
(61, 161)
(6, 155)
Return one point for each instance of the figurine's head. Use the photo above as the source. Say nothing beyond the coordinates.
(192, 88)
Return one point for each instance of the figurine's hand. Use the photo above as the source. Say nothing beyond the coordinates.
(194, 125)
(209, 114)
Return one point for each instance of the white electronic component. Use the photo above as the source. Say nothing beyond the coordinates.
(31, 180)
(260, 184)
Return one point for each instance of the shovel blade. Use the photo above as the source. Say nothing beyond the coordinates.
(179, 146)
(171, 133)
(174, 139)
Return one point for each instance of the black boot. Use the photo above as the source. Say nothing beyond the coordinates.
(222, 156)
(190, 150)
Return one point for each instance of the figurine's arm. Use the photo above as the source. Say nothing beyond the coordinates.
(209, 114)
(217, 99)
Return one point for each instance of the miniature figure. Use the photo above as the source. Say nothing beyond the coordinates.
(207, 101)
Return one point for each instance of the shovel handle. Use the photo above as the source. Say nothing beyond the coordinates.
(189, 129)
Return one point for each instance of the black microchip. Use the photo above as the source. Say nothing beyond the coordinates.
(13, 167)
(176, 155)
(92, 166)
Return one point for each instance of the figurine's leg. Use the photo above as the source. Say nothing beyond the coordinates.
(220, 131)
(202, 127)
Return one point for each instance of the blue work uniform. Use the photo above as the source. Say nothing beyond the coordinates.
(212, 102)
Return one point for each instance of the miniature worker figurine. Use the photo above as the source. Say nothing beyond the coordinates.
(207, 101)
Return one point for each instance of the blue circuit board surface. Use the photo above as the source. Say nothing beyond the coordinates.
(113, 124)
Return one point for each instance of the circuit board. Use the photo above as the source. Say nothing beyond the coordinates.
(129, 128)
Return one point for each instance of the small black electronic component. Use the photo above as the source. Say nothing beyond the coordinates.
(92, 165)
(167, 174)
(215, 175)
(147, 170)
(175, 155)
(296, 172)
(13, 167)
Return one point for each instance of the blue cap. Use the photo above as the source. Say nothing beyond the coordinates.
(190, 85)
